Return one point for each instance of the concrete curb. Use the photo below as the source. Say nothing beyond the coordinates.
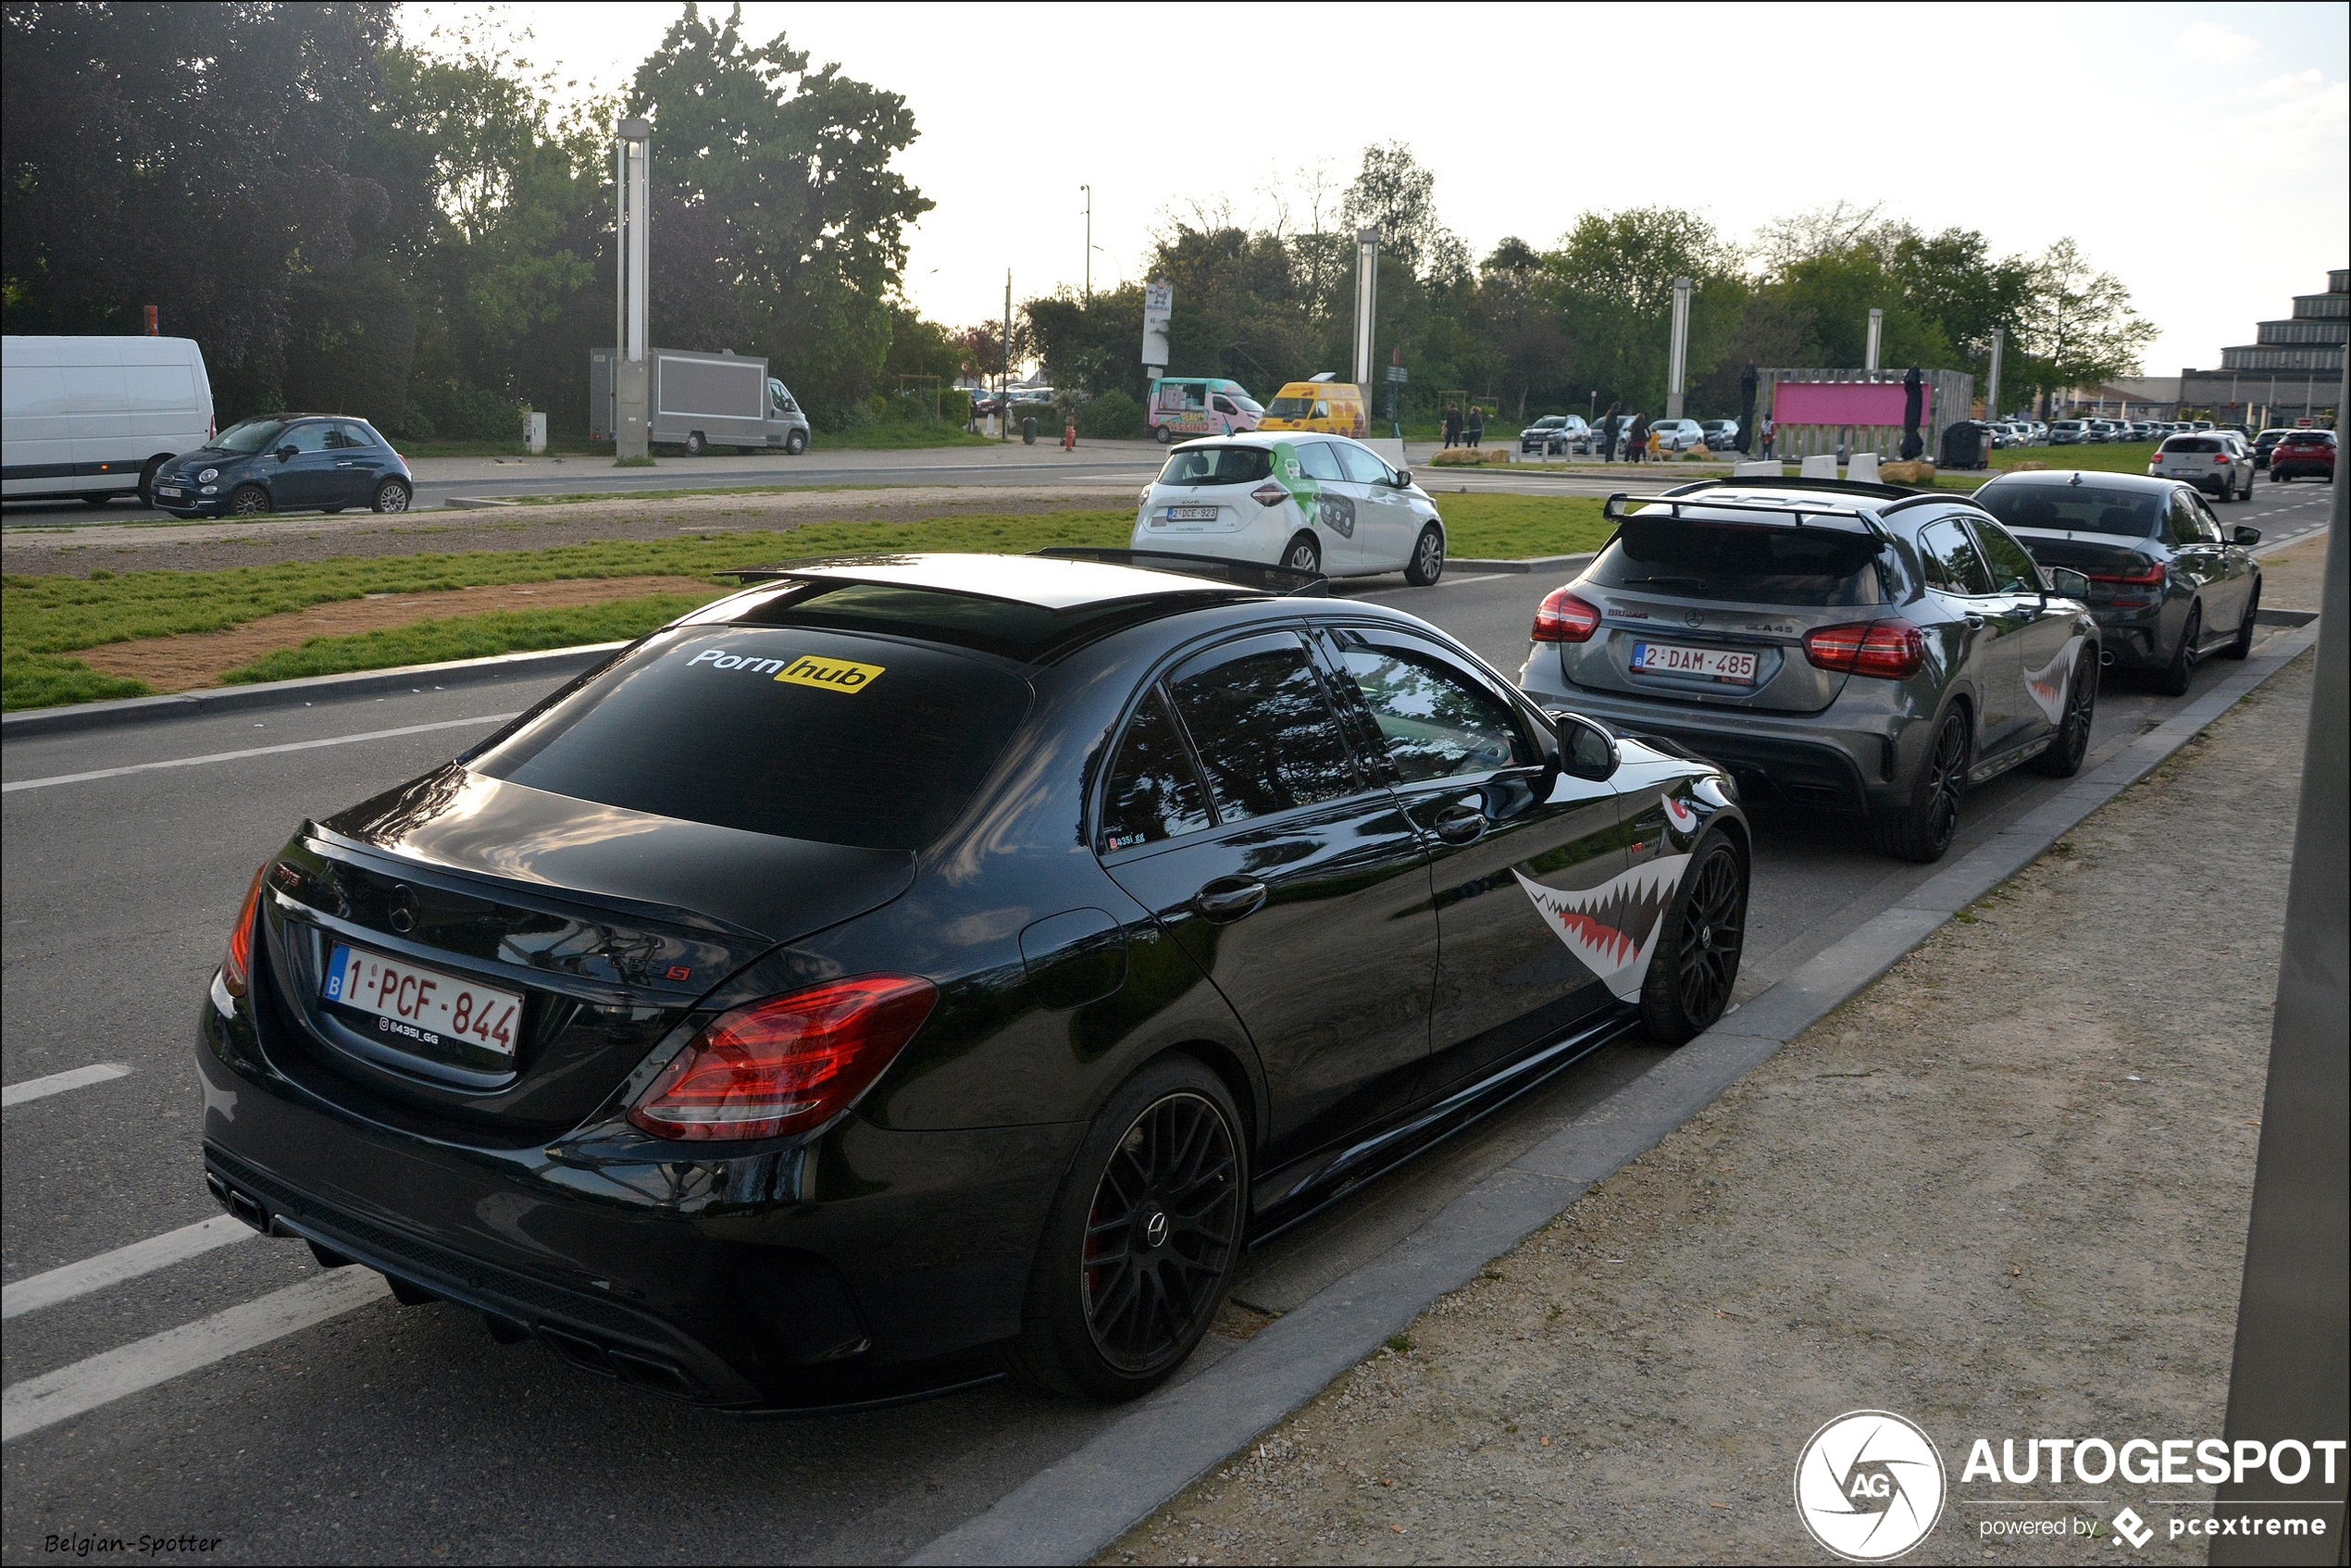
(1570, 564)
(297, 693)
(1073, 1509)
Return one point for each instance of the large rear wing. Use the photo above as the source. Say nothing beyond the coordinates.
(1792, 513)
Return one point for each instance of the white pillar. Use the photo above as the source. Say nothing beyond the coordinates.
(1678, 356)
(1992, 384)
(632, 433)
(1877, 331)
(1366, 299)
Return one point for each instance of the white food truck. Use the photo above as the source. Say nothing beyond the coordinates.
(699, 401)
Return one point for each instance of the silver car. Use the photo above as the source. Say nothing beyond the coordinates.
(1859, 649)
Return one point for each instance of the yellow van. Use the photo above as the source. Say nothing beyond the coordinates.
(1331, 409)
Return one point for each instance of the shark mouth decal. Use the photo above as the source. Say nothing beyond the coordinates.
(2047, 684)
(1612, 928)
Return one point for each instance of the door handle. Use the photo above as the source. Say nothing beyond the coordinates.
(1460, 823)
(1228, 899)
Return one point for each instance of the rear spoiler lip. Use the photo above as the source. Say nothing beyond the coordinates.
(1861, 520)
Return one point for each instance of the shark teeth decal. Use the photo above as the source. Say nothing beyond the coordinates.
(1612, 928)
(2047, 684)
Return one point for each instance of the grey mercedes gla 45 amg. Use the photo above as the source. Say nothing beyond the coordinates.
(1863, 650)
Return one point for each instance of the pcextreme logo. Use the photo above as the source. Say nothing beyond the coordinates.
(1869, 1486)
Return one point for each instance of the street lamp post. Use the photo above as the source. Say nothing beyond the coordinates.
(630, 374)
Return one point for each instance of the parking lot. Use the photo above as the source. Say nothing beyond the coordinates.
(363, 1429)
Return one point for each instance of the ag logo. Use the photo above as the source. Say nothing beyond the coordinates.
(1869, 1486)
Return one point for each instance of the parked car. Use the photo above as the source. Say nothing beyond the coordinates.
(286, 463)
(666, 1028)
(1721, 435)
(1312, 504)
(1861, 649)
(2219, 463)
(95, 417)
(1677, 435)
(1319, 405)
(2167, 582)
(2301, 453)
(2068, 432)
(1547, 434)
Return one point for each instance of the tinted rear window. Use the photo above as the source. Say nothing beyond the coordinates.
(791, 732)
(1753, 565)
(1217, 465)
(2083, 508)
(2192, 443)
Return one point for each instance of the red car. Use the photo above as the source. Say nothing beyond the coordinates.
(2303, 452)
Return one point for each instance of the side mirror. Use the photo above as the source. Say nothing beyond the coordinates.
(1586, 751)
(285, 454)
(1403, 479)
(2068, 582)
(2246, 536)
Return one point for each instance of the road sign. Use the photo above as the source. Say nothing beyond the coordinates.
(1396, 372)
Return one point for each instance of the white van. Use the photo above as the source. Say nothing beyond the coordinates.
(96, 416)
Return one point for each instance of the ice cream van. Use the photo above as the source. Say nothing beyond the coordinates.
(1331, 408)
(1185, 406)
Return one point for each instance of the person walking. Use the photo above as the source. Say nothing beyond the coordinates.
(1637, 440)
(1452, 424)
(1476, 423)
(1609, 432)
(1767, 435)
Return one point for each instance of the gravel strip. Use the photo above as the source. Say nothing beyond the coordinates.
(2003, 1192)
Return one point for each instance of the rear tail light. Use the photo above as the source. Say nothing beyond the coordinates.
(236, 965)
(2148, 578)
(1888, 650)
(1565, 619)
(788, 1062)
(2219, 457)
(1269, 495)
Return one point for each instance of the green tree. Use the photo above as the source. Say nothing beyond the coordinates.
(795, 164)
(1611, 279)
(2077, 326)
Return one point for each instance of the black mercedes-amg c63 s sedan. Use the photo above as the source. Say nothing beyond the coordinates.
(907, 969)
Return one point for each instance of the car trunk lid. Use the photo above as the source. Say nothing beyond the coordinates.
(608, 924)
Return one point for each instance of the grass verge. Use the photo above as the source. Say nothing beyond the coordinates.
(43, 620)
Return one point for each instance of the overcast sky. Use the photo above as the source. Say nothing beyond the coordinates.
(2198, 152)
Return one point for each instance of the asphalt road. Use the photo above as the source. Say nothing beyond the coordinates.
(385, 1433)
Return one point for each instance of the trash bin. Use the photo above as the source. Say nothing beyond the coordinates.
(1028, 432)
(1964, 446)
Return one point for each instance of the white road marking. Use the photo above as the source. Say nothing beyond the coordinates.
(247, 751)
(101, 1379)
(58, 1083)
(124, 1263)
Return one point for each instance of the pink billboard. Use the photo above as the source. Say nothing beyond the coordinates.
(1841, 403)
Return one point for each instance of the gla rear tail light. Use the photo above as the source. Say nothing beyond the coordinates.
(1564, 617)
(1888, 650)
(236, 965)
(786, 1063)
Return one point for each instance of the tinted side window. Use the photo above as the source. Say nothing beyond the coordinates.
(1953, 562)
(308, 438)
(1264, 732)
(1362, 466)
(2179, 525)
(1434, 720)
(2011, 563)
(1154, 793)
(1318, 461)
(2207, 526)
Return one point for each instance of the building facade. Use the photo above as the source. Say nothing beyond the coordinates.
(2293, 371)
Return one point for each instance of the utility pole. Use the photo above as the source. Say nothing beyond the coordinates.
(1877, 331)
(1992, 385)
(1089, 243)
(1004, 391)
(1677, 360)
(1366, 299)
(630, 375)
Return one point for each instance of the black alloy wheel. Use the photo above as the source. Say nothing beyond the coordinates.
(1142, 1240)
(1428, 558)
(1922, 830)
(1165, 1217)
(2173, 679)
(1303, 554)
(391, 496)
(249, 501)
(2072, 743)
(1697, 961)
(2241, 646)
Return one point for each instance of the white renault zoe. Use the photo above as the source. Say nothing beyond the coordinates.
(1314, 502)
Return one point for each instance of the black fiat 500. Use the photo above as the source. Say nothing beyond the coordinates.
(910, 966)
